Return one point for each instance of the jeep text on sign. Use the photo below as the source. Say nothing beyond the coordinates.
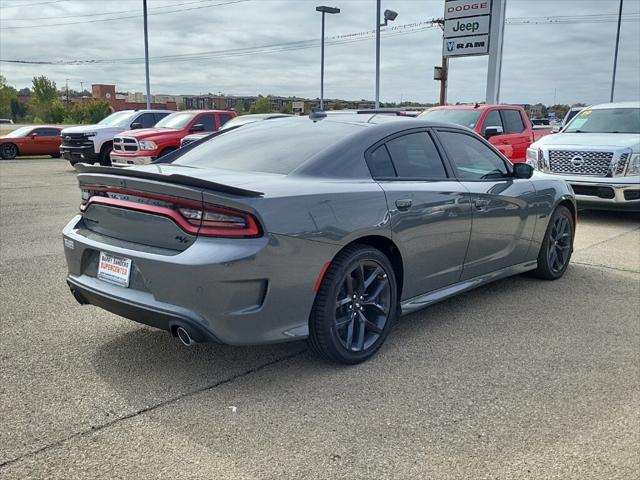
(459, 27)
(463, 46)
(466, 8)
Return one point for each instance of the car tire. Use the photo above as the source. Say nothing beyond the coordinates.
(355, 307)
(104, 158)
(557, 245)
(8, 151)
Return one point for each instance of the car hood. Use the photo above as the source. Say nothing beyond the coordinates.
(150, 133)
(586, 140)
(91, 128)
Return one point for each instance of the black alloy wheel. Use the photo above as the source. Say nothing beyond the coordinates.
(557, 246)
(8, 151)
(355, 307)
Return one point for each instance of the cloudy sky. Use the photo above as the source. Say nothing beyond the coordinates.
(570, 62)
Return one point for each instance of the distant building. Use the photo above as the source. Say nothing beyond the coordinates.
(107, 93)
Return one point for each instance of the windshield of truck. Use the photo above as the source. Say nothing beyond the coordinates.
(466, 118)
(118, 119)
(177, 120)
(606, 120)
(19, 132)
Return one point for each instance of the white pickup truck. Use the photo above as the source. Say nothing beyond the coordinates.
(93, 143)
(598, 154)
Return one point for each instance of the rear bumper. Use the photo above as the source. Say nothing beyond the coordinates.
(615, 193)
(123, 161)
(231, 291)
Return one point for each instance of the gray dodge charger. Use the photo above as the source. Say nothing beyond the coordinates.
(320, 228)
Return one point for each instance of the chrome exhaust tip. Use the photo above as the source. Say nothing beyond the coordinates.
(184, 337)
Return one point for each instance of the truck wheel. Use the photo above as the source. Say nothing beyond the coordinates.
(166, 151)
(104, 158)
(355, 307)
(557, 245)
(8, 151)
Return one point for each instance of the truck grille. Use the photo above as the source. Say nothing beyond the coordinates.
(76, 140)
(580, 163)
(621, 164)
(125, 144)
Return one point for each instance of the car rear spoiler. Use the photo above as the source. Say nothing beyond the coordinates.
(173, 178)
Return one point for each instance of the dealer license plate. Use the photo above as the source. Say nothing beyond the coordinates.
(116, 270)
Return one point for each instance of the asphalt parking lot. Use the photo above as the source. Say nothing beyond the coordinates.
(519, 379)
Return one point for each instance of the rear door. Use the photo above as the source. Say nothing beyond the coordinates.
(429, 211)
(516, 134)
(503, 218)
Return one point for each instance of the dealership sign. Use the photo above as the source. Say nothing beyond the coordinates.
(467, 26)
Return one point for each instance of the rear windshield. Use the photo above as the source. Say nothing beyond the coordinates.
(465, 117)
(269, 147)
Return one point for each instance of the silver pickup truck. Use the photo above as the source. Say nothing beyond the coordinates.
(598, 154)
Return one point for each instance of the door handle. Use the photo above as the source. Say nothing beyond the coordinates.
(403, 204)
(481, 204)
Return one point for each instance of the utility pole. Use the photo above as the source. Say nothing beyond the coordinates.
(494, 71)
(378, 54)
(67, 82)
(615, 55)
(442, 74)
(81, 88)
(146, 52)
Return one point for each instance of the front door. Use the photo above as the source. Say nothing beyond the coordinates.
(429, 211)
(503, 220)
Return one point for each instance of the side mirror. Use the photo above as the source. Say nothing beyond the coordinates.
(522, 170)
(492, 132)
(556, 129)
(34, 135)
(198, 127)
(136, 125)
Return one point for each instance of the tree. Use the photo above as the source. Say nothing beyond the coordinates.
(239, 107)
(42, 98)
(7, 95)
(261, 105)
(286, 108)
(96, 110)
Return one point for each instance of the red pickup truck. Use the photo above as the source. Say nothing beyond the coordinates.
(142, 146)
(507, 127)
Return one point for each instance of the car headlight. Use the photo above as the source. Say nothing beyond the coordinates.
(147, 145)
(633, 168)
(533, 157)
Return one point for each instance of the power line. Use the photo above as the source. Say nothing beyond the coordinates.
(229, 2)
(95, 14)
(22, 5)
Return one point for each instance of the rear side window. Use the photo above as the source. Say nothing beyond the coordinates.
(512, 121)
(493, 120)
(224, 118)
(160, 116)
(415, 156)
(208, 121)
(380, 164)
(147, 120)
(471, 158)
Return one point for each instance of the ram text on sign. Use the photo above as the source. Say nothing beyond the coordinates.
(459, 27)
(466, 8)
(464, 46)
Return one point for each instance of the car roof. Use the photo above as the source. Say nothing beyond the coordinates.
(202, 111)
(602, 106)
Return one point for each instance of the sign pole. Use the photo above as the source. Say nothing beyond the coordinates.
(496, 37)
(615, 55)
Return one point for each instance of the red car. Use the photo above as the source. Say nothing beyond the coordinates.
(507, 127)
(142, 146)
(40, 140)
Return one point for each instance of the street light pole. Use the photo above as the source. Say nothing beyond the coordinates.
(615, 55)
(67, 92)
(323, 10)
(388, 15)
(146, 52)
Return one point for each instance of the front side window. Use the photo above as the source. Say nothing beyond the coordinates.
(208, 121)
(147, 120)
(471, 158)
(47, 132)
(512, 121)
(415, 156)
(493, 120)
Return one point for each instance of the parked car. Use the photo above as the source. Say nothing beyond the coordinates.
(34, 140)
(6, 121)
(507, 127)
(598, 154)
(140, 147)
(540, 122)
(93, 143)
(320, 228)
(234, 123)
(573, 111)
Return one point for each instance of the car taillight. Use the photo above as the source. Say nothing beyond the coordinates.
(217, 221)
(192, 216)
